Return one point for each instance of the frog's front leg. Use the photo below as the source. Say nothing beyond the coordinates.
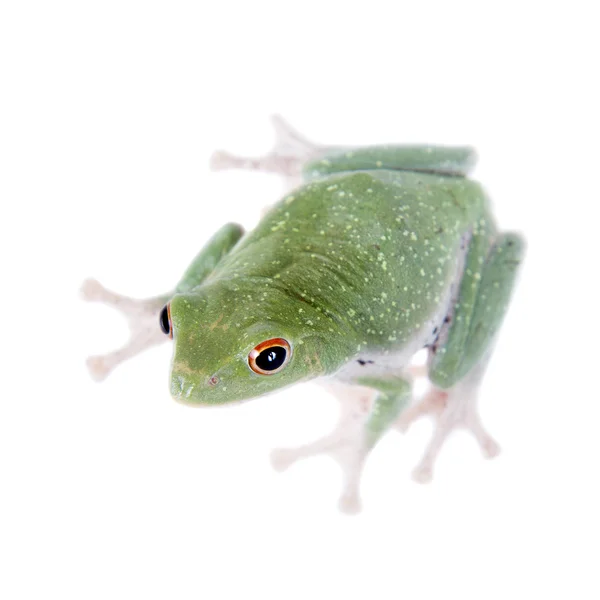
(459, 358)
(142, 317)
(146, 328)
(364, 419)
(355, 404)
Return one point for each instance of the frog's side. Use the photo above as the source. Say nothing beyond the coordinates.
(384, 251)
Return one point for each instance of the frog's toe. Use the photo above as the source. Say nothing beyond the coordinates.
(351, 463)
(489, 446)
(423, 473)
(491, 449)
(287, 157)
(349, 453)
(452, 409)
(283, 458)
(288, 141)
(91, 290)
(102, 365)
(98, 367)
(221, 160)
(350, 503)
(141, 339)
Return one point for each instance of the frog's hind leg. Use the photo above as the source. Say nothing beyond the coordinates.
(142, 317)
(288, 156)
(298, 159)
(459, 357)
(451, 409)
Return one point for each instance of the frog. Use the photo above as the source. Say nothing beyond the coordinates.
(373, 255)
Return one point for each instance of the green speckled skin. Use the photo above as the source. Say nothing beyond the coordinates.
(423, 159)
(361, 262)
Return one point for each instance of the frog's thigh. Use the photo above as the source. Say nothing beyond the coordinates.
(481, 305)
(459, 364)
(438, 160)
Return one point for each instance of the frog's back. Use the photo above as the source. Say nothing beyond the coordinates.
(365, 213)
(373, 247)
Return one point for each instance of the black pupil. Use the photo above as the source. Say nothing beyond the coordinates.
(271, 358)
(164, 321)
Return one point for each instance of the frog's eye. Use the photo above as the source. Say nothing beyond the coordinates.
(270, 356)
(165, 320)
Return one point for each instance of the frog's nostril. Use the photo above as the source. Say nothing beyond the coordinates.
(213, 381)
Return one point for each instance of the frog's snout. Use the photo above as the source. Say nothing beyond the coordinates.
(181, 389)
(188, 390)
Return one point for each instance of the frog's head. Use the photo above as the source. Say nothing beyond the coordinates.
(234, 346)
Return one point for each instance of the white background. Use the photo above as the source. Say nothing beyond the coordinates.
(108, 114)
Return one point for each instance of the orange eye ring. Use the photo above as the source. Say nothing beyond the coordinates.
(270, 357)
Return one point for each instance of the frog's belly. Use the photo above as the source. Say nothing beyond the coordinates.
(379, 363)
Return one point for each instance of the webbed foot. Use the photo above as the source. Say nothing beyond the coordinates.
(345, 444)
(452, 409)
(142, 317)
